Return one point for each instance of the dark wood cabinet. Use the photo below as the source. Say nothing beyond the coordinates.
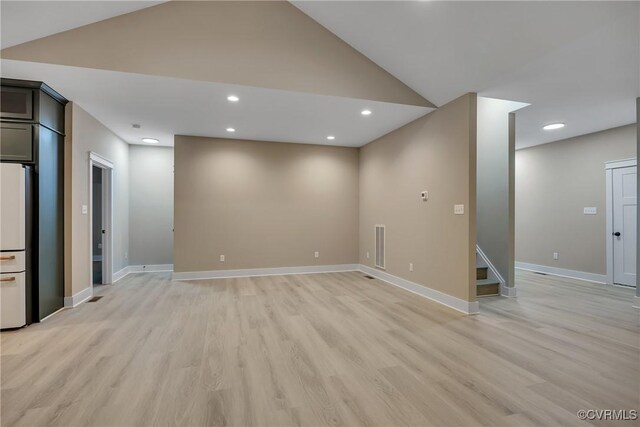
(16, 103)
(32, 133)
(16, 142)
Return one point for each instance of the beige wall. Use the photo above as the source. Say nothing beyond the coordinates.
(151, 205)
(434, 153)
(84, 135)
(263, 204)
(554, 183)
(268, 44)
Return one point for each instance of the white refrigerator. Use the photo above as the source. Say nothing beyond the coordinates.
(13, 299)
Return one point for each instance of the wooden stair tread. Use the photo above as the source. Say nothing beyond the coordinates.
(487, 282)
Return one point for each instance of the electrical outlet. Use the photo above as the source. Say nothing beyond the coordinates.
(367, 255)
(221, 258)
(99, 245)
(555, 255)
(458, 209)
(317, 254)
(126, 255)
(410, 266)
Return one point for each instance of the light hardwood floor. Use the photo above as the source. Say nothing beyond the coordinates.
(323, 349)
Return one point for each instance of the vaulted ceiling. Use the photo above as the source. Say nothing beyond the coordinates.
(576, 62)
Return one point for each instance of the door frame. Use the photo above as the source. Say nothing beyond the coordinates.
(107, 216)
(609, 167)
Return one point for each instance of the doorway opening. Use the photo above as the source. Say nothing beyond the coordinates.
(622, 212)
(100, 219)
(97, 230)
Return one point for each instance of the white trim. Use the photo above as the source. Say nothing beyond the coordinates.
(154, 268)
(133, 269)
(636, 302)
(615, 164)
(609, 224)
(563, 272)
(510, 292)
(609, 166)
(494, 270)
(100, 160)
(466, 307)
(252, 272)
(120, 274)
(437, 296)
(79, 298)
(107, 216)
(55, 312)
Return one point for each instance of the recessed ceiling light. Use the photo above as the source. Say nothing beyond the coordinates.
(233, 98)
(150, 140)
(331, 137)
(553, 126)
(231, 130)
(366, 112)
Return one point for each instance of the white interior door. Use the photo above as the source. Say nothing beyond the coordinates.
(625, 203)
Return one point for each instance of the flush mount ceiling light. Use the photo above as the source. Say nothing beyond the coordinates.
(231, 130)
(366, 112)
(553, 126)
(150, 140)
(331, 137)
(233, 98)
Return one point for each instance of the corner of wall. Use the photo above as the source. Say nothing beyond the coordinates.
(472, 208)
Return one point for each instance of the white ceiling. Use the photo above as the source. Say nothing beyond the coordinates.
(166, 106)
(26, 20)
(577, 62)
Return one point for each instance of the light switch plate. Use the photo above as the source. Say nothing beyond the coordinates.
(590, 211)
(458, 209)
(85, 209)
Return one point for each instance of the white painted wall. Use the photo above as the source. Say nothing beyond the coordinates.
(151, 205)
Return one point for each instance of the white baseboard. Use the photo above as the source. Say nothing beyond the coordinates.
(437, 296)
(79, 298)
(152, 268)
(563, 272)
(510, 292)
(252, 272)
(120, 274)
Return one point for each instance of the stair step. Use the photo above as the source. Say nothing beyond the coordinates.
(481, 273)
(487, 287)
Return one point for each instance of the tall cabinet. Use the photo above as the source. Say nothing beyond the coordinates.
(32, 134)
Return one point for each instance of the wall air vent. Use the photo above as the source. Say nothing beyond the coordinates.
(380, 247)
